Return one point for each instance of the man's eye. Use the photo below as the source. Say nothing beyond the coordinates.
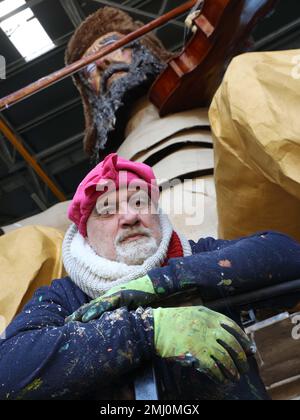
(141, 203)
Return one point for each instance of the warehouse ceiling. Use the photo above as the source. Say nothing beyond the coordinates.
(50, 124)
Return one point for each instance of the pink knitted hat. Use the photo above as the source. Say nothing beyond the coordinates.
(114, 169)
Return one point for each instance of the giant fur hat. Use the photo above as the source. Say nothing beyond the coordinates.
(105, 20)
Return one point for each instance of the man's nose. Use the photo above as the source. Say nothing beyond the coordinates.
(105, 62)
(130, 218)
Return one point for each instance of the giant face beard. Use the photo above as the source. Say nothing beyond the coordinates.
(111, 108)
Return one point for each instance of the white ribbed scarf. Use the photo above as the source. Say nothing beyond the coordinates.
(95, 275)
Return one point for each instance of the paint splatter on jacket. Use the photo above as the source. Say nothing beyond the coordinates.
(42, 358)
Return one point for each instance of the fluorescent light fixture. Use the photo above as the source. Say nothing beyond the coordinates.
(24, 30)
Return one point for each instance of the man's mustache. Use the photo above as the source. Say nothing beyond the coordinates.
(110, 71)
(132, 232)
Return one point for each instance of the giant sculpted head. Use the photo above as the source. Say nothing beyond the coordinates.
(110, 86)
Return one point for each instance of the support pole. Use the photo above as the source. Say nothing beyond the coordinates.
(12, 138)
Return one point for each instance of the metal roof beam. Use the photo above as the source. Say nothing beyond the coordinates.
(51, 153)
(279, 35)
(52, 113)
(74, 11)
(141, 13)
(15, 140)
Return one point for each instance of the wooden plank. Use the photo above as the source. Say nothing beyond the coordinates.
(278, 353)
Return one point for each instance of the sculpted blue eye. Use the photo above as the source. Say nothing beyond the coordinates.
(91, 67)
(109, 40)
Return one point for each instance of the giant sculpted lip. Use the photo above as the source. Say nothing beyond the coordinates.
(117, 75)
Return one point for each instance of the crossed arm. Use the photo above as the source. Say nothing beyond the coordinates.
(42, 358)
(217, 269)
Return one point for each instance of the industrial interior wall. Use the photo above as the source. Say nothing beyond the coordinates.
(255, 120)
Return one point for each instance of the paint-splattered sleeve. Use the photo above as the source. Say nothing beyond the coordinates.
(42, 358)
(221, 268)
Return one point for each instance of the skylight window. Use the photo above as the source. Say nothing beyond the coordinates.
(24, 30)
(8, 6)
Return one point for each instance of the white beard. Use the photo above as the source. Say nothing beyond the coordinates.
(136, 252)
(95, 275)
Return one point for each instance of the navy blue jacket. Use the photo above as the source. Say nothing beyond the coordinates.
(42, 358)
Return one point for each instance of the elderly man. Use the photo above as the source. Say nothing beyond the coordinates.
(123, 252)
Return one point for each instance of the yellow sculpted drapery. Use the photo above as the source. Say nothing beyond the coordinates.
(255, 119)
(30, 257)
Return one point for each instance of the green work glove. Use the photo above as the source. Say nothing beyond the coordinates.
(133, 294)
(202, 339)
